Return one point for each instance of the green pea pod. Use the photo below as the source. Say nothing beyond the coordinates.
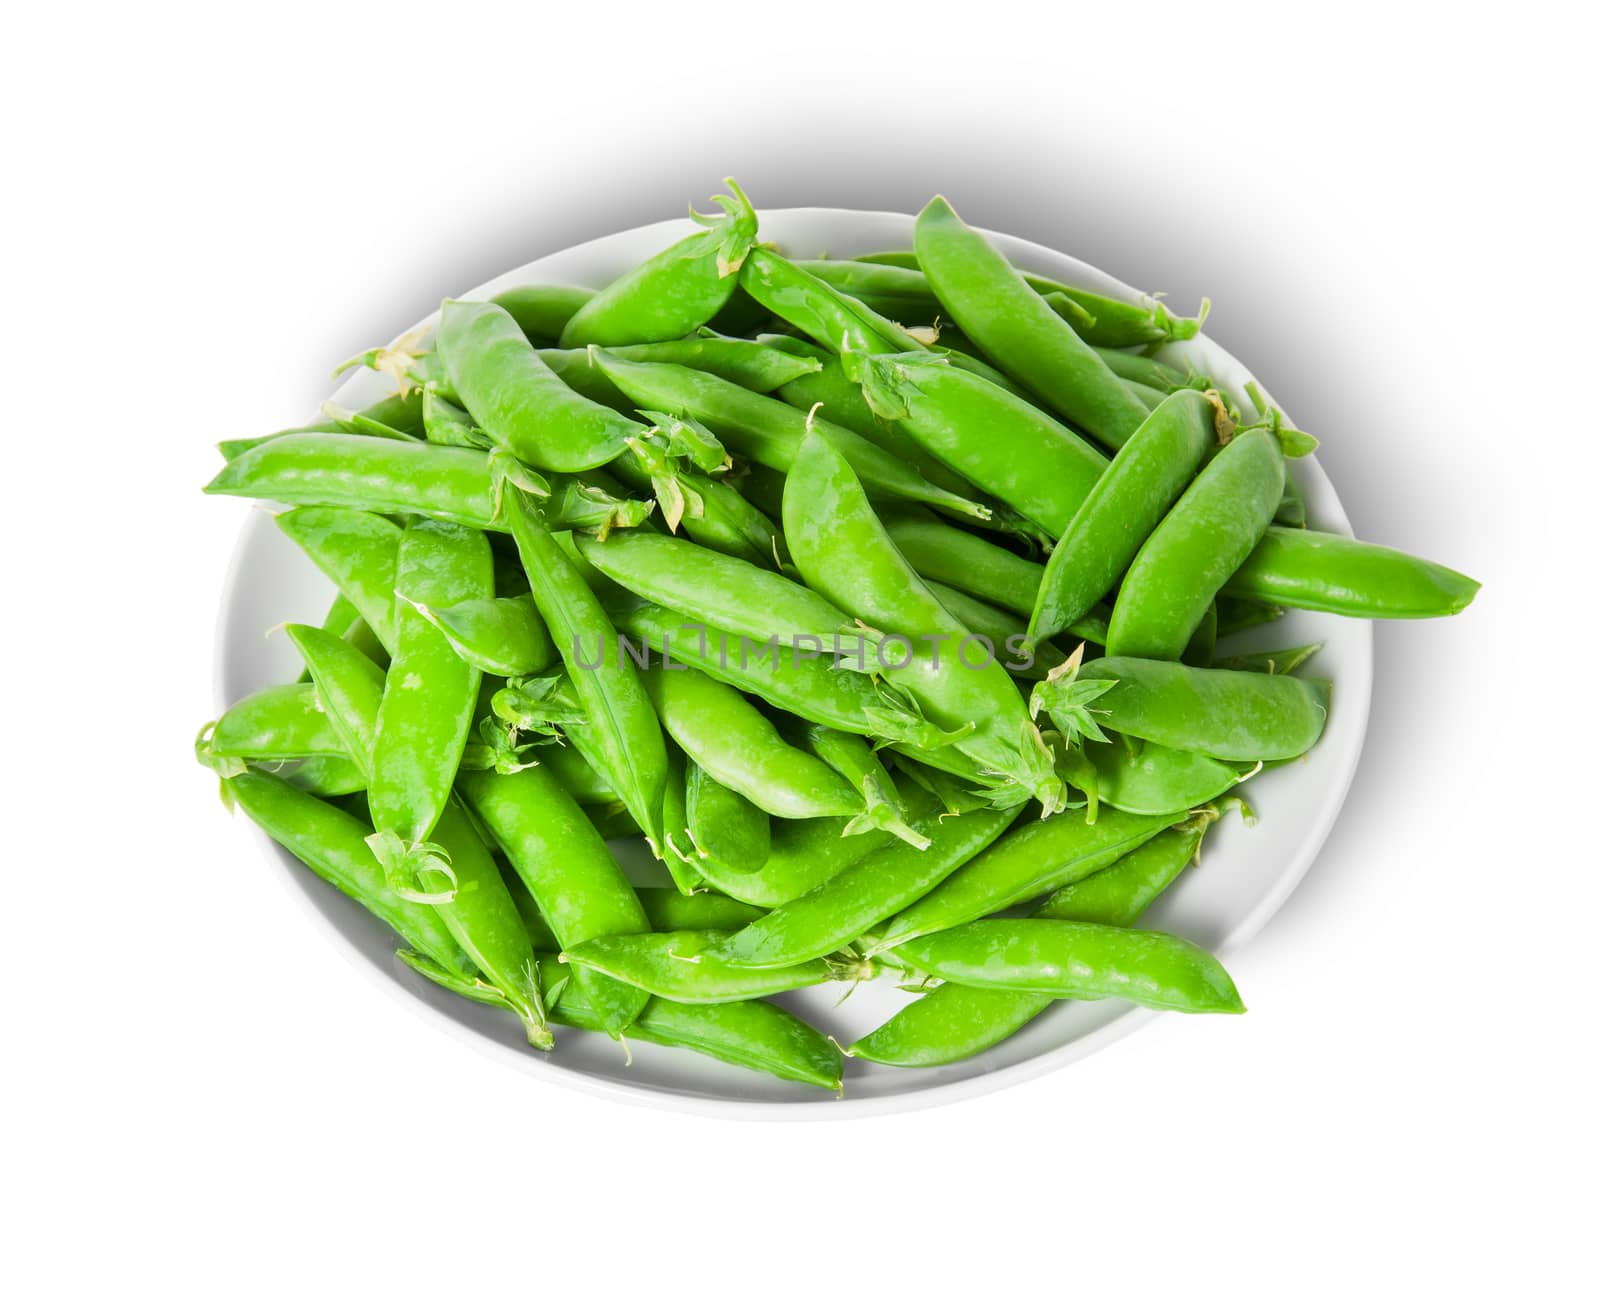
(733, 359)
(1077, 960)
(1225, 714)
(395, 418)
(1148, 778)
(447, 423)
(844, 553)
(1292, 507)
(333, 844)
(795, 680)
(723, 826)
(542, 310)
(676, 290)
(850, 755)
(756, 1035)
(518, 400)
(968, 562)
(993, 305)
(953, 1022)
(849, 904)
(1333, 573)
(1272, 661)
(839, 322)
(499, 636)
(1122, 509)
(566, 867)
(677, 850)
(1191, 554)
(1150, 373)
(805, 853)
(425, 715)
(357, 551)
(1025, 659)
(455, 875)
(584, 783)
(691, 967)
(769, 431)
(1001, 443)
(739, 747)
(1024, 864)
(284, 722)
(622, 736)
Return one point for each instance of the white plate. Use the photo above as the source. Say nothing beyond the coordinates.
(1248, 871)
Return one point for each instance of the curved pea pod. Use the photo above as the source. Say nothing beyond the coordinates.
(561, 859)
(726, 592)
(357, 551)
(622, 737)
(542, 310)
(796, 681)
(844, 552)
(1148, 778)
(998, 441)
(425, 715)
(395, 418)
(1024, 658)
(755, 1034)
(1200, 543)
(711, 512)
(518, 400)
(676, 290)
(849, 904)
(444, 482)
(690, 967)
(1024, 864)
(968, 562)
(838, 321)
(1019, 330)
(499, 636)
(849, 755)
(1122, 508)
(953, 1021)
(1333, 573)
(769, 431)
(333, 844)
(723, 826)
(1077, 960)
(733, 359)
(738, 746)
(284, 722)
(1225, 714)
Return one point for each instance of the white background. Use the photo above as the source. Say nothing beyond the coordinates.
(207, 207)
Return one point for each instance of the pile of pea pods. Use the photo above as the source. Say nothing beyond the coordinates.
(881, 598)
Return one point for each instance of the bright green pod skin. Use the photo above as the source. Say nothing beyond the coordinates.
(499, 636)
(970, 563)
(1007, 633)
(542, 310)
(723, 826)
(855, 900)
(791, 680)
(689, 967)
(395, 418)
(1156, 779)
(953, 1022)
(739, 747)
(1024, 864)
(561, 859)
(677, 850)
(444, 482)
(756, 1035)
(1121, 510)
(768, 431)
(517, 399)
(1200, 543)
(333, 844)
(357, 551)
(739, 360)
(584, 783)
(837, 321)
(283, 722)
(1225, 714)
(1333, 573)
(845, 554)
(1150, 373)
(676, 290)
(425, 716)
(724, 592)
(1100, 320)
(998, 441)
(1018, 329)
(856, 760)
(1079, 960)
(622, 737)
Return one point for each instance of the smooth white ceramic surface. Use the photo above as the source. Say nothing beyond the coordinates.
(1245, 875)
